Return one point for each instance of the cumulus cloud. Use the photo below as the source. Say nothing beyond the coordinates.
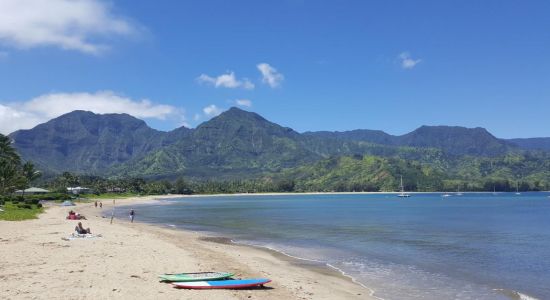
(243, 102)
(78, 25)
(270, 75)
(407, 62)
(212, 110)
(228, 80)
(27, 114)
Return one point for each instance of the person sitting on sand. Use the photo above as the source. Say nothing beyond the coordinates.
(80, 230)
(71, 216)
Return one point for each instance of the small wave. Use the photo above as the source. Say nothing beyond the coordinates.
(353, 279)
(516, 295)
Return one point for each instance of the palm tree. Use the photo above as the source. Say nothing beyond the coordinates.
(30, 174)
(10, 178)
(7, 151)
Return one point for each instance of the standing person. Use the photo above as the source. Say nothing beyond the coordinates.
(100, 204)
(95, 204)
(132, 214)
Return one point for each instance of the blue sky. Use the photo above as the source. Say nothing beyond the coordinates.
(327, 65)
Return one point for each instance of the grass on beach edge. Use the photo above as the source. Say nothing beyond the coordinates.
(14, 213)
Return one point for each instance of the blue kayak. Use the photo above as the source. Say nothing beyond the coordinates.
(222, 284)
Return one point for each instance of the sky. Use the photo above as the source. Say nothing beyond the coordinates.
(306, 64)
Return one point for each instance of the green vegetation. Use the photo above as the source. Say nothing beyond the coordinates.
(13, 174)
(20, 211)
(117, 155)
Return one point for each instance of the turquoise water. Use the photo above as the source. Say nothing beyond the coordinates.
(475, 246)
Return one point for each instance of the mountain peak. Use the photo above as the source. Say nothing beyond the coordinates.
(456, 140)
(86, 141)
(240, 113)
(236, 116)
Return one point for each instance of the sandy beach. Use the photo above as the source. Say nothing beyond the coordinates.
(37, 262)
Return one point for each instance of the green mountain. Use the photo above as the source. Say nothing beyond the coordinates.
(529, 171)
(541, 144)
(239, 144)
(235, 143)
(85, 142)
(453, 140)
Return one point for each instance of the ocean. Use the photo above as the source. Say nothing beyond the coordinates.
(474, 246)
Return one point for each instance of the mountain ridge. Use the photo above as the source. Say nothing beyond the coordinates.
(234, 142)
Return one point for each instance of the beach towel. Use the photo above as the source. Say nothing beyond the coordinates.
(78, 236)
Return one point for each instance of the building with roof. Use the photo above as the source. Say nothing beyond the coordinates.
(31, 191)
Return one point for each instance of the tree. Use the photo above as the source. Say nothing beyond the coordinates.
(30, 173)
(7, 152)
(181, 187)
(10, 176)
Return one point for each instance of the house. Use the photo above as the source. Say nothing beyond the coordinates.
(31, 191)
(78, 190)
(116, 190)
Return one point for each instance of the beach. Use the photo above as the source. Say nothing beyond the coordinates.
(37, 262)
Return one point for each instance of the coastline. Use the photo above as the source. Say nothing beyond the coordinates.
(124, 263)
(139, 199)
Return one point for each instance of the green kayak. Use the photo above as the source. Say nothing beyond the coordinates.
(202, 276)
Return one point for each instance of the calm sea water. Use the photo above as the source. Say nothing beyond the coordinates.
(475, 246)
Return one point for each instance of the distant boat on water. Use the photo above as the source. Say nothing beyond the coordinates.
(403, 194)
(446, 195)
(517, 188)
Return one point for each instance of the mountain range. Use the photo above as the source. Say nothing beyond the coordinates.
(241, 144)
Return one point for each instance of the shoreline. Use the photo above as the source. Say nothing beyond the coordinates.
(320, 267)
(172, 196)
(35, 261)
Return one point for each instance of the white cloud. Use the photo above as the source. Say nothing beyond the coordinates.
(270, 75)
(407, 62)
(27, 114)
(228, 80)
(243, 102)
(212, 110)
(69, 24)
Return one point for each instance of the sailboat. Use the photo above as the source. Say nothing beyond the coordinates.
(403, 194)
(517, 188)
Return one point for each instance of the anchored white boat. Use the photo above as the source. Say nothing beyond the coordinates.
(403, 194)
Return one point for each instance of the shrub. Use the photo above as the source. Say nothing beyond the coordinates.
(25, 206)
(31, 201)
